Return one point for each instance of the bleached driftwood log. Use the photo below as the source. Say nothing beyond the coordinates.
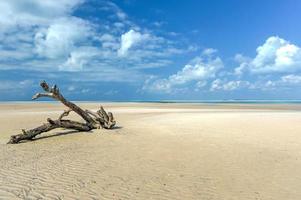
(93, 120)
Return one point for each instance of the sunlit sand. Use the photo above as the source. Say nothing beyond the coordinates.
(157, 151)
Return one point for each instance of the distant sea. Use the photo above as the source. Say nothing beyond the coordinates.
(174, 101)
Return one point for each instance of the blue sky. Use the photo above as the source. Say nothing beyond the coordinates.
(151, 49)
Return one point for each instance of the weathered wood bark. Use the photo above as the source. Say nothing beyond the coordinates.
(55, 94)
(100, 119)
(30, 134)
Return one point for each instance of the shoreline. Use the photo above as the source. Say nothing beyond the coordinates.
(174, 105)
(169, 101)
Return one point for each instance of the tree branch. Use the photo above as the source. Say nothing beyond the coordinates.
(52, 124)
(55, 94)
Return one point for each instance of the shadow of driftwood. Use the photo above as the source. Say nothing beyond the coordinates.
(63, 133)
(116, 127)
(56, 134)
(50, 136)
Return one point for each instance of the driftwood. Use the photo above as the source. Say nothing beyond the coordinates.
(93, 120)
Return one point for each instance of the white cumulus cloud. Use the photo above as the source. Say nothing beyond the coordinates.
(276, 55)
(34, 12)
(228, 86)
(61, 37)
(129, 40)
(197, 71)
(79, 59)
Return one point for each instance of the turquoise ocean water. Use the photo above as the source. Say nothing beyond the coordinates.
(174, 101)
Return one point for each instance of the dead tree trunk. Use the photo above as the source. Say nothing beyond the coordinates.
(100, 119)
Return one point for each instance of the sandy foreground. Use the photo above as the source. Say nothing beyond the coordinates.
(157, 151)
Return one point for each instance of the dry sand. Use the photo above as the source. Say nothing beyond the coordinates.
(158, 151)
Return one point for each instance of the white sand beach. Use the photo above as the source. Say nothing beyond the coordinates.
(157, 151)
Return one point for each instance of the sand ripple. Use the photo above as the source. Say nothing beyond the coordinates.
(162, 155)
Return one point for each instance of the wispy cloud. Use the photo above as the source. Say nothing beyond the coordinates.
(219, 84)
(9, 85)
(46, 36)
